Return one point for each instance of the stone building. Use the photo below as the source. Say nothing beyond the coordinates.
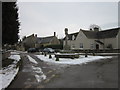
(94, 39)
(33, 41)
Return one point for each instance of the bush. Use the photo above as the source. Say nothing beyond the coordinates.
(50, 56)
(7, 62)
(42, 53)
(45, 54)
(86, 55)
(93, 54)
(57, 59)
(60, 46)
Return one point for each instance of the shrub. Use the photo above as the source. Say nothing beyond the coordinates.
(60, 46)
(86, 55)
(93, 54)
(45, 54)
(42, 53)
(50, 56)
(57, 59)
(7, 62)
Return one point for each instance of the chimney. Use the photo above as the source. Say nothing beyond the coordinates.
(35, 35)
(96, 29)
(66, 31)
(54, 34)
(90, 29)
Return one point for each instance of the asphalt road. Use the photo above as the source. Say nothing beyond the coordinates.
(98, 74)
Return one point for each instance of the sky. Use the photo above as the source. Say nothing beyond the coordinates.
(45, 18)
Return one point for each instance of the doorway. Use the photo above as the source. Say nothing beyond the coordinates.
(97, 46)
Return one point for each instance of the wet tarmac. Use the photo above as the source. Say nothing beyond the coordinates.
(98, 74)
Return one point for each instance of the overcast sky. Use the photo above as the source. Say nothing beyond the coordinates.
(45, 18)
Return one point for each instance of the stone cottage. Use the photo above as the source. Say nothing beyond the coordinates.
(33, 41)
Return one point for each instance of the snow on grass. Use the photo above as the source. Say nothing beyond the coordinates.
(39, 74)
(31, 59)
(14, 53)
(8, 73)
(15, 57)
(81, 60)
(8, 76)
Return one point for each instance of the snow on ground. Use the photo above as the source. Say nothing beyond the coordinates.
(39, 74)
(15, 57)
(81, 60)
(31, 59)
(8, 73)
(8, 76)
(15, 52)
(108, 53)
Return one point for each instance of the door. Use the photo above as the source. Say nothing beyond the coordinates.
(97, 46)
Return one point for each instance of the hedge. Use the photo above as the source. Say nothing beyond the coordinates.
(54, 46)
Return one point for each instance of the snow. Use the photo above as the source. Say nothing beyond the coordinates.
(39, 74)
(8, 77)
(14, 53)
(81, 60)
(67, 54)
(15, 57)
(8, 73)
(37, 69)
(40, 78)
(31, 59)
(108, 53)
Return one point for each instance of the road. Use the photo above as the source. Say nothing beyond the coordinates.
(98, 74)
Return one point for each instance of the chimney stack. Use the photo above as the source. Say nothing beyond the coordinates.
(35, 35)
(66, 31)
(54, 34)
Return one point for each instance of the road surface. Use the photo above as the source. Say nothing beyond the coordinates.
(97, 74)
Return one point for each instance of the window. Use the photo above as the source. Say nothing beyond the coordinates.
(92, 46)
(73, 45)
(81, 45)
(73, 37)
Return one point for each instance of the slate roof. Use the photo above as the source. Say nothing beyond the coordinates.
(71, 35)
(43, 40)
(90, 34)
(110, 33)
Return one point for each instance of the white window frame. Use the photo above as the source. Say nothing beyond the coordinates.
(73, 37)
(73, 45)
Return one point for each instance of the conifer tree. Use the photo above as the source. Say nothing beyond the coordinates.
(10, 23)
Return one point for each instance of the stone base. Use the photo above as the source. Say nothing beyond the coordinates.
(72, 56)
